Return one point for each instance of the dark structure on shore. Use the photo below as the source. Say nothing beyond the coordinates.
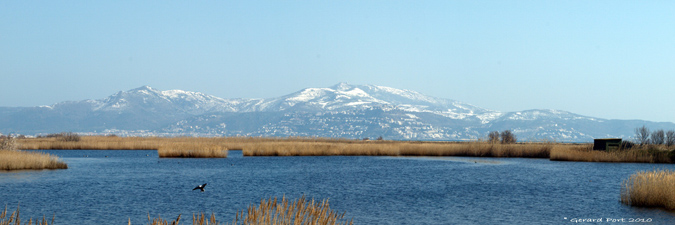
(607, 144)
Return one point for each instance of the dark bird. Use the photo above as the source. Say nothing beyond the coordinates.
(200, 187)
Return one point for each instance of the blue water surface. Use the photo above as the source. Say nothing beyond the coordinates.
(111, 187)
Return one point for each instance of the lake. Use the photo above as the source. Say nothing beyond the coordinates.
(111, 187)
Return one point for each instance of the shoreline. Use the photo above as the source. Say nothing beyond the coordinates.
(343, 147)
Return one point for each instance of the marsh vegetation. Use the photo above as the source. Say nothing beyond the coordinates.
(650, 189)
(272, 211)
(192, 150)
(13, 159)
(217, 147)
(14, 219)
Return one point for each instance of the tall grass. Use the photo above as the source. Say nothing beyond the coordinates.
(301, 211)
(94, 143)
(191, 150)
(176, 147)
(21, 160)
(272, 212)
(585, 153)
(650, 189)
(160, 221)
(166, 147)
(478, 149)
(14, 219)
(274, 148)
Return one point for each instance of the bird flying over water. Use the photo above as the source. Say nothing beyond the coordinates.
(200, 187)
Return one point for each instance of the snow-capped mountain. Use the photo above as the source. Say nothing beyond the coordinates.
(339, 111)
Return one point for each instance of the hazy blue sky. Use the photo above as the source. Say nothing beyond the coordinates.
(607, 59)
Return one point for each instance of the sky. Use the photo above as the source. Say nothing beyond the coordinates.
(606, 59)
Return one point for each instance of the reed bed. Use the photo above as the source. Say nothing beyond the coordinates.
(478, 149)
(320, 149)
(95, 143)
(21, 160)
(295, 146)
(192, 150)
(586, 154)
(199, 219)
(650, 189)
(14, 219)
(160, 221)
(154, 143)
(272, 212)
(301, 211)
(166, 147)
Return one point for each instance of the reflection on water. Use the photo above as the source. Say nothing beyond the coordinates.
(109, 187)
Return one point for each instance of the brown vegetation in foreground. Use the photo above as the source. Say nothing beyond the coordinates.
(199, 219)
(301, 211)
(650, 189)
(14, 219)
(273, 212)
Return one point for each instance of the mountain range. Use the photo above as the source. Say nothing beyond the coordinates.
(341, 111)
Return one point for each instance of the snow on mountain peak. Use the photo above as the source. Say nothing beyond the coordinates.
(342, 110)
(307, 95)
(342, 86)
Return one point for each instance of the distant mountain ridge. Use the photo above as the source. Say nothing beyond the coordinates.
(339, 111)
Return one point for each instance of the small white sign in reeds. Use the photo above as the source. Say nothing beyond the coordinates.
(650, 189)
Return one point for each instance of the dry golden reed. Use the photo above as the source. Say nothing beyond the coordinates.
(96, 143)
(21, 160)
(160, 221)
(301, 211)
(584, 153)
(296, 146)
(14, 219)
(477, 149)
(191, 150)
(272, 212)
(650, 189)
(167, 147)
(319, 149)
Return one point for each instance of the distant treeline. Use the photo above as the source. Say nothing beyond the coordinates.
(505, 137)
(63, 136)
(658, 137)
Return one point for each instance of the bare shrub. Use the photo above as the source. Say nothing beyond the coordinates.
(670, 138)
(508, 137)
(658, 137)
(69, 136)
(642, 135)
(7, 143)
(493, 137)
